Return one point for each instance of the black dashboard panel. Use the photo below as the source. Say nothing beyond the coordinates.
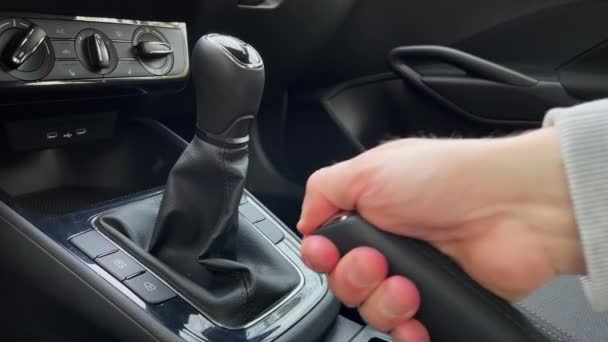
(140, 9)
(90, 50)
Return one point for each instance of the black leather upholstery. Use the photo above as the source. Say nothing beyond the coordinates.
(453, 306)
(220, 262)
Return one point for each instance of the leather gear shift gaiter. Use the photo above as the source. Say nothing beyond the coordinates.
(198, 242)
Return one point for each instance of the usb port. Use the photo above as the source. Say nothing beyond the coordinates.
(52, 135)
(81, 131)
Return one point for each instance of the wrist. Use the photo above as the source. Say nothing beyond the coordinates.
(542, 198)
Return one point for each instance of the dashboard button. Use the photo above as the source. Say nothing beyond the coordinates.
(150, 288)
(120, 265)
(251, 213)
(60, 28)
(271, 230)
(64, 49)
(93, 244)
(70, 70)
(125, 50)
(129, 69)
(115, 31)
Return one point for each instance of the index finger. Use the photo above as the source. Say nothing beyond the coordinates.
(329, 191)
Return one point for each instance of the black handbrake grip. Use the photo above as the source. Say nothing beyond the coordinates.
(453, 306)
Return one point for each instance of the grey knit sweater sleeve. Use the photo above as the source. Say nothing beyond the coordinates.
(583, 137)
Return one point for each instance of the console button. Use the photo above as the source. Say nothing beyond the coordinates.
(124, 50)
(120, 265)
(129, 69)
(150, 288)
(64, 49)
(69, 70)
(60, 28)
(93, 244)
(115, 31)
(271, 230)
(251, 213)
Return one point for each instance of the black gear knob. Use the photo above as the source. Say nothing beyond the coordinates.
(229, 80)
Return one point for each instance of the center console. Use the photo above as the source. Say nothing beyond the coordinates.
(78, 231)
(142, 232)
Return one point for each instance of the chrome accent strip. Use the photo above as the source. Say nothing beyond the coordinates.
(177, 25)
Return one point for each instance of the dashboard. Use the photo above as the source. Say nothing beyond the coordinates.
(50, 50)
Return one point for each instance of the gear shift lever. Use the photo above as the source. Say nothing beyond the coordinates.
(222, 264)
(206, 185)
(229, 81)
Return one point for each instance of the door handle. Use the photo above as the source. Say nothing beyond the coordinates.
(489, 92)
(473, 65)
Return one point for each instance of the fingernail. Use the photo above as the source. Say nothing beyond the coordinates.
(361, 279)
(391, 308)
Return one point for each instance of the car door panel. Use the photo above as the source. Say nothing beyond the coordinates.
(349, 76)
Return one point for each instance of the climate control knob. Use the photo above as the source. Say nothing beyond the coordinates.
(24, 46)
(25, 50)
(96, 51)
(153, 50)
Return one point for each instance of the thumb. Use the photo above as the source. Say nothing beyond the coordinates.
(329, 191)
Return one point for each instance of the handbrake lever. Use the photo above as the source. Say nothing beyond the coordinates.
(453, 306)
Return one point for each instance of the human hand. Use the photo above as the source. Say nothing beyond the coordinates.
(499, 207)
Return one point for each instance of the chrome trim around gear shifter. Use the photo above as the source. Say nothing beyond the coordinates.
(177, 314)
(311, 306)
(94, 223)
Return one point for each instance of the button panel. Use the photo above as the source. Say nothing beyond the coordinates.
(129, 69)
(259, 220)
(251, 213)
(116, 31)
(64, 49)
(124, 50)
(59, 29)
(70, 70)
(67, 62)
(120, 265)
(93, 244)
(139, 280)
(150, 289)
(270, 230)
